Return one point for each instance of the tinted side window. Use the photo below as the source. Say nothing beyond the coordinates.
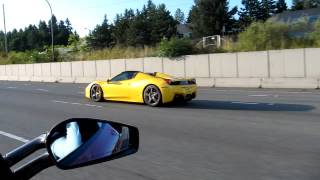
(124, 76)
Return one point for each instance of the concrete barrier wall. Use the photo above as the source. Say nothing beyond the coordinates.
(253, 64)
(198, 66)
(174, 67)
(287, 63)
(134, 64)
(103, 69)
(117, 66)
(223, 65)
(154, 64)
(312, 58)
(295, 68)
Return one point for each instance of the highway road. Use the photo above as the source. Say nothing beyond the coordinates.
(224, 134)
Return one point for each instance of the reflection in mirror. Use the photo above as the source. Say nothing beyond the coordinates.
(79, 142)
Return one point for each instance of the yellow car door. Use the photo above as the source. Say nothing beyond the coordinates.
(116, 90)
(118, 87)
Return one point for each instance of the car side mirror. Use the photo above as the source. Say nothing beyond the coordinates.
(82, 142)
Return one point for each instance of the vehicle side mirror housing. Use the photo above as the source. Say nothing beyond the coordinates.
(81, 142)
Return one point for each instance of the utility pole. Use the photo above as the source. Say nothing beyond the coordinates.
(5, 30)
(52, 37)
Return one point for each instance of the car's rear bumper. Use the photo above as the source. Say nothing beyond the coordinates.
(171, 93)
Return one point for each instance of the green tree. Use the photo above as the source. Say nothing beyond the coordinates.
(150, 25)
(44, 34)
(54, 27)
(63, 33)
(250, 12)
(100, 37)
(74, 41)
(281, 6)
(179, 16)
(305, 4)
(268, 7)
(121, 27)
(209, 17)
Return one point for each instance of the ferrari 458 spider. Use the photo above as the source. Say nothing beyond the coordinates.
(152, 89)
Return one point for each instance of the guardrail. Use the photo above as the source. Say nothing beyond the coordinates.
(294, 68)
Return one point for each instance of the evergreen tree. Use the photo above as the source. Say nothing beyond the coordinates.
(179, 16)
(209, 17)
(281, 6)
(250, 12)
(55, 28)
(297, 5)
(62, 36)
(44, 34)
(37, 37)
(150, 25)
(121, 27)
(268, 7)
(100, 37)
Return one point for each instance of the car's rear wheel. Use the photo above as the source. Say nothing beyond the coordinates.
(96, 93)
(152, 96)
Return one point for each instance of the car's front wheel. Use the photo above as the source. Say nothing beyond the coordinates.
(152, 96)
(96, 93)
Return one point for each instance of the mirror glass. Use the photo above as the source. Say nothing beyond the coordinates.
(79, 142)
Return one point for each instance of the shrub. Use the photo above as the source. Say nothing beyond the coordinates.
(117, 53)
(315, 35)
(175, 48)
(264, 36)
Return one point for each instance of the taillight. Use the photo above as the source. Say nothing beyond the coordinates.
(168, 81)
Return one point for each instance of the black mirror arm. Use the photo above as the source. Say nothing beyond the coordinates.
(32, 168)
(27, 149)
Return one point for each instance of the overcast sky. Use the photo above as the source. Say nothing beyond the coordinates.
(83, 14)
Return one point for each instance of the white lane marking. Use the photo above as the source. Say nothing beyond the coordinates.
(90, 105)
(251, 91)
(43, 90)
(221, 90)
(63, 102)
(81, 92)
(27, 84)
(247, 103)
(12, 136)
(78, 104)
(11, 87)
(300, 92)
(259, 95)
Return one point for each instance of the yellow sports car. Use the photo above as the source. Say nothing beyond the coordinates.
(152, 89)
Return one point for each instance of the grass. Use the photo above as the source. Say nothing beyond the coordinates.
(118, 53)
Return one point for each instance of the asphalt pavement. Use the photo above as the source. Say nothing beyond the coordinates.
(224, 134)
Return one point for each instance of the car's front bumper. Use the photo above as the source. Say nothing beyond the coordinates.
(87, 91)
